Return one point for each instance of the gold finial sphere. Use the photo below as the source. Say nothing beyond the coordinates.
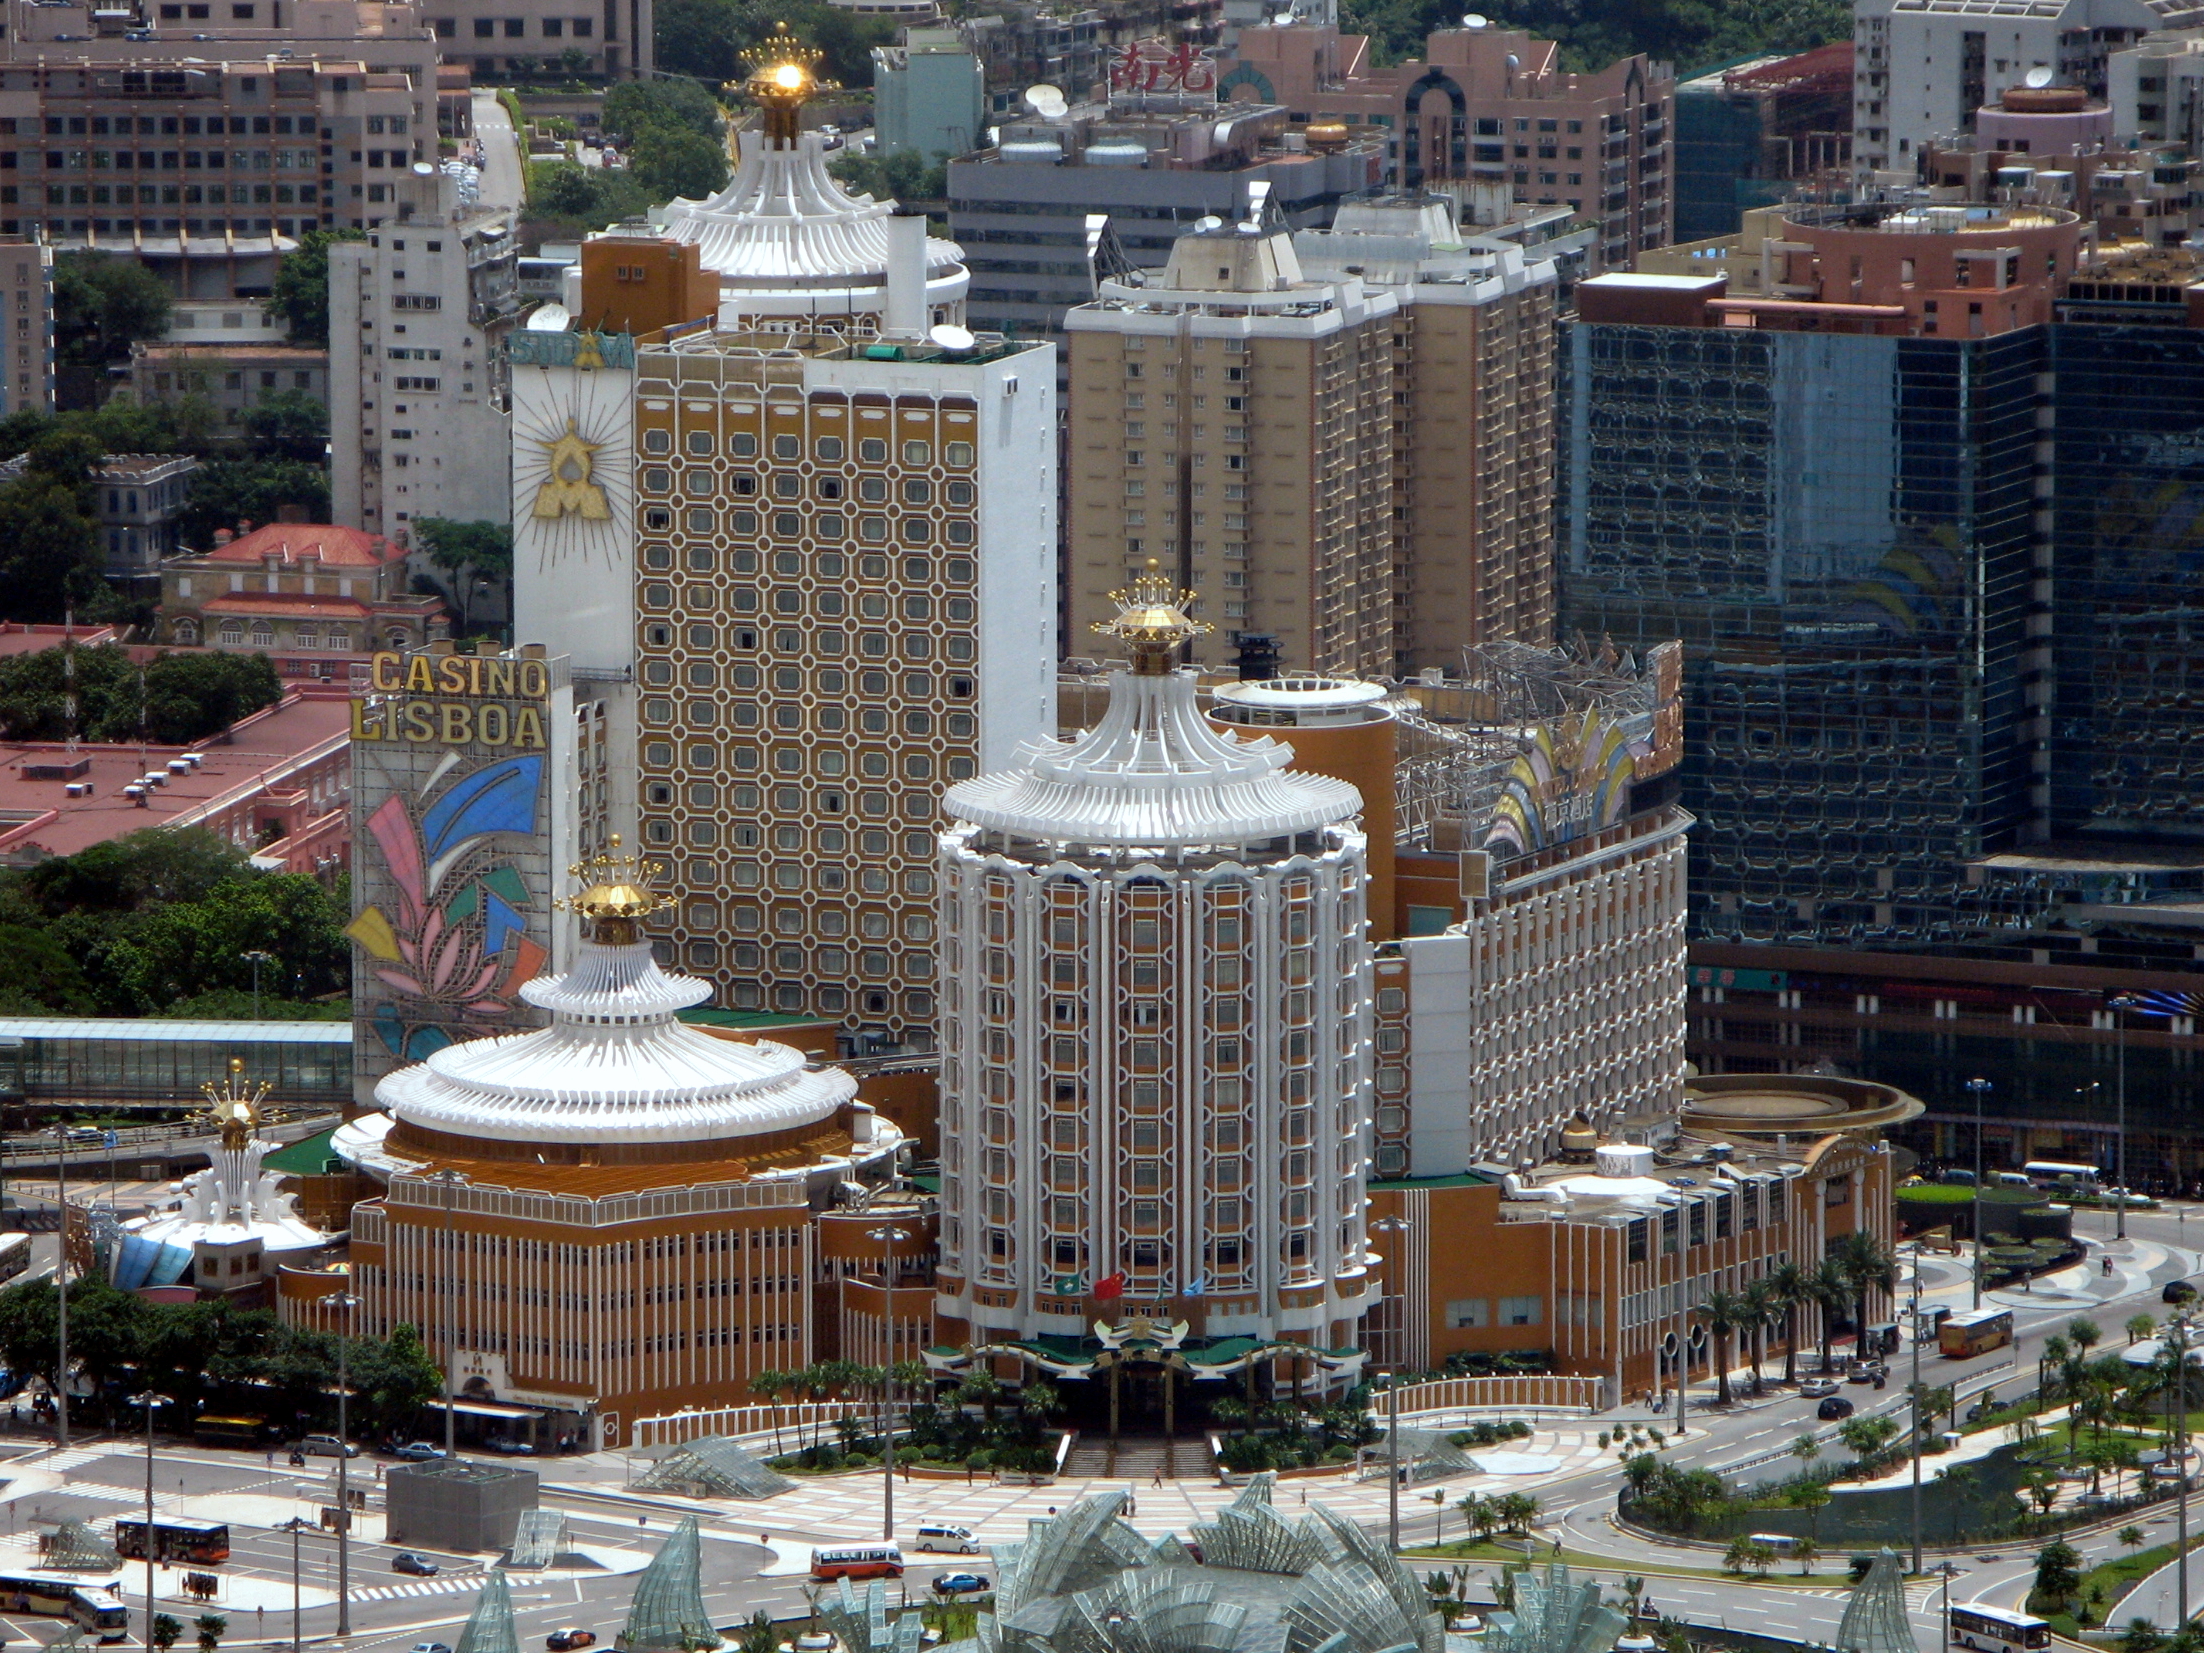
(616, 894)
(1153, 620)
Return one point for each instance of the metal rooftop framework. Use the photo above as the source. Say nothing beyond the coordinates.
(1875, 1613)
(73, 1547)
(1086, 1582)
(1555, 1613)
(860, 1622)
(539, 1538)
(490, 1627)
(715, 1467)
(667, 1614)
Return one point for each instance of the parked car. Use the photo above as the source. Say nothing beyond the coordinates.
(432, 1647)
(327, 1446)
(562, 1641)
(1815, 1388)
(1835, 1406)
(2177, 1291)
(417, 1452)
(1869, 1371)
(86, 1133)
(961, 1584)
(419, 1566)
(510, 1446)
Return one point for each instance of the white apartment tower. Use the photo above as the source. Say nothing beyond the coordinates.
(1921, 68)
(1156, 1066)
(418, 314)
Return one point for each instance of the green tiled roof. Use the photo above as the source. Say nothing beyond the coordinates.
(309, 1158)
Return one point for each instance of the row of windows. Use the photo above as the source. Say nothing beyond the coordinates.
(180, 160)
(789, 525)
(516, 28)
(871, 450)
(172, 195)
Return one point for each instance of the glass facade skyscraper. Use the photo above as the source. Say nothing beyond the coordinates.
(1839, 528)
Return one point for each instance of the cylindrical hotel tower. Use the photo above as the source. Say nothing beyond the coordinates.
(1156, 1065)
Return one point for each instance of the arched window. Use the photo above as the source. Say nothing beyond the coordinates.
(397, 639)
(187, 632)
(340, 640)
(263, 635)
(233, 633)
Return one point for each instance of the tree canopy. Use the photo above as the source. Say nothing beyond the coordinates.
(103, 304)
(1691, 34)
(186, 697)
(301, 292)
(163, 916)
(211, 1355)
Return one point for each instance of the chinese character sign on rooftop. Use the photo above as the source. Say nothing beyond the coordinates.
(1160, 66)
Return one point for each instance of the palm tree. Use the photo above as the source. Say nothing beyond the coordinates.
(1831, 1291)
(1760, 1308)
(768, 1385)
(1789, 1285)
(1724, 1312)
(2054, 1352)
(2140, 1326)
(1868, 1267)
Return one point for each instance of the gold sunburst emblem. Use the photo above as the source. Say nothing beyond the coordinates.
(568, 487)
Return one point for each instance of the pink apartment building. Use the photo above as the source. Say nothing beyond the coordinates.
(1487, 107)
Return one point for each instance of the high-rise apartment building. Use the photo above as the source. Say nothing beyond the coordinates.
(1346, 434)
(1234, 421)
(1156, 1026)
(26, 325)
(1486, 106)
(418, 314)
(805, 554)
(1471, 419)
(1923, 68)
(203, 147)
(518, 39)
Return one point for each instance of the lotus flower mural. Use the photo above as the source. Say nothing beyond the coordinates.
(456, 948)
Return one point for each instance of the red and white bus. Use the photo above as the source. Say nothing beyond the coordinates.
(858, 1561)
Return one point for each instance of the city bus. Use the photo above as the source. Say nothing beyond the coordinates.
(93, 1608)
(2052, 1173)
(206, 1543)
(1963, 1336)
(858, 1561)
(1995, 1630)
(210, 1430)
(15, 1255)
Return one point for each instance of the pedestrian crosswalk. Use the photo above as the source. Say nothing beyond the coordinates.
(447, 1584)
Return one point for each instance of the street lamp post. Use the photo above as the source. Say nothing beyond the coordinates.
(887, 1237)
(1913, 1336)
(2122, 1003)
(450, 1181)
(347, 1302)
(1400, 1226)
(2178, 1330)
(256, 958)
(1980, 1088)
(61, 1291)
(294, 1524)
(150, 1401)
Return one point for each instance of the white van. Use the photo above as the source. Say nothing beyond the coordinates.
(956, 1540)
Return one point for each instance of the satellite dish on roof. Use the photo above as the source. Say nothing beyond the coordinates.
(1476, 20)
(1514, 63)
(1046, 102)
(950, 336)
(1209, 221)
(422, 169)
(2037, 79)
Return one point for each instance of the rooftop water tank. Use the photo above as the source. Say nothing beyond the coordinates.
(1623, 1159)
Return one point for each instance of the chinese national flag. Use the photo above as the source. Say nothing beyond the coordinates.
(1110, 1285)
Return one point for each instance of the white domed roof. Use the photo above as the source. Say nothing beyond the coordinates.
(783, 225)
(1154, 772)
(614, 1066)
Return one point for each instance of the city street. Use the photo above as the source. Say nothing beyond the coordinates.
(755, 1553)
